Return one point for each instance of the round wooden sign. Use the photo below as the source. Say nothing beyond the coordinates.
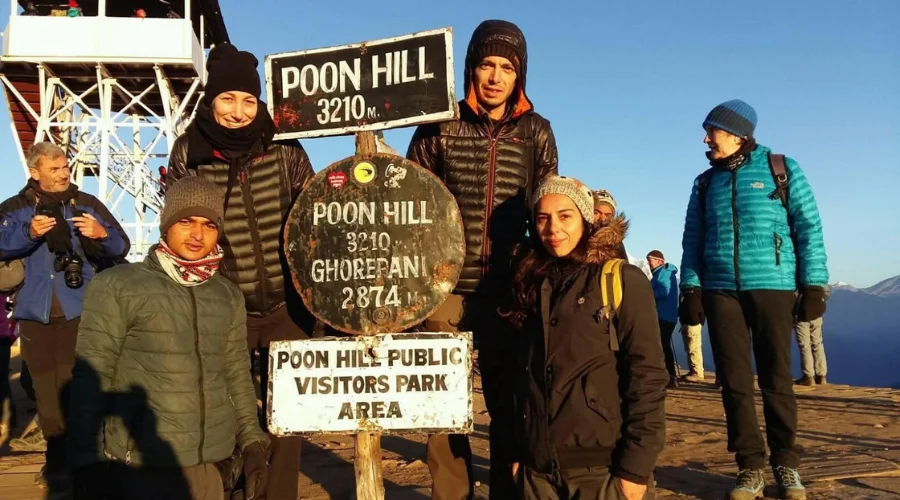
(374, 243)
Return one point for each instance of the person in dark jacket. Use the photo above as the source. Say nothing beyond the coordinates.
(230, 143)
(491, 159)
(167, 394)
(66, 237)
(665, 289)
(589, 388)
(748, 247)
(8, 337)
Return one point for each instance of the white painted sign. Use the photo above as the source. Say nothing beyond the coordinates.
(392, 383)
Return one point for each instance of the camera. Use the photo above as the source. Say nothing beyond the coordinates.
(70, 265)
(45, 210)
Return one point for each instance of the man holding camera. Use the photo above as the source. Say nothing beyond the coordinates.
(65, 237)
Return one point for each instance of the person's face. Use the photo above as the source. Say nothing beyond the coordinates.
(193, 238)
(495, 80)
(52, 175)
(655, 262)
(602, 213)
(235, 109)
(721, 144)
(559, 224)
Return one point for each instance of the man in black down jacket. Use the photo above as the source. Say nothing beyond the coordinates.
(230, 143)
(491, 159)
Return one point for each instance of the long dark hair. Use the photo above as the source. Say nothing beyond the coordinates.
(533, 264)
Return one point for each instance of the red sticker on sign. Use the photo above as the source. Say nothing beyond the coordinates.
(337, 179)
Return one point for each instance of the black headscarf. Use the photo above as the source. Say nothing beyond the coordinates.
(736, 159)
(206, 136)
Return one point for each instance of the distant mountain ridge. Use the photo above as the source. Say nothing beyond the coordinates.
(861, 332)
(886, 288)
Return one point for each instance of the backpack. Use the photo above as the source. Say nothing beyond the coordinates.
(611, 294)
(12, 274)
(779, 175)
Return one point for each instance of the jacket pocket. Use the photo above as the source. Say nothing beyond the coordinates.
(778, 242)
(595, 401)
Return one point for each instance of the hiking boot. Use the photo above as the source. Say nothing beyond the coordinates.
(788, 481)
(820, 380)
(673, 383)
(749, 485)
(805, 380)
(33, 441)
(693, 378)
(40, 478)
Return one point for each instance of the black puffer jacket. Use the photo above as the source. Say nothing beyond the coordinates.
(578, 403)
(255, 213)
(491, 168)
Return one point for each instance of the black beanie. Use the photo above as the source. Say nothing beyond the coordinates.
(229, 69)
(498, 38)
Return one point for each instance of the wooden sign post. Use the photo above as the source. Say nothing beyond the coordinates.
(375, 244)
(367, 461)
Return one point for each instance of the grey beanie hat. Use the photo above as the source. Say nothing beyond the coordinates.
(571, 187)
(189, 197)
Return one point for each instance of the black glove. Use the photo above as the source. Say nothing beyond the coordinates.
(811, 304)
(90, 481)
(690, 307)
(256, 470)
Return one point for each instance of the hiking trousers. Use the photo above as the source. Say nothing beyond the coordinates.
(666, 329)
(757, 322)
(692, 336)
(812, 348)
(284, 463)
(49, 351)
(198, 482)
(449, 456)
(587, 483)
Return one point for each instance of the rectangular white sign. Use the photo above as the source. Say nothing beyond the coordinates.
(391, 383)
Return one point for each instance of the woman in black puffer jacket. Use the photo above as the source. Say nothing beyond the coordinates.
(589, 395)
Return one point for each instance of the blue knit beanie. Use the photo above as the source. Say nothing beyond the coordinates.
(734, 116)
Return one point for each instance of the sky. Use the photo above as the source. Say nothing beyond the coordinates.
(626, 86)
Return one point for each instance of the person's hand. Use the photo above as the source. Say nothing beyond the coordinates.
(690, 307)
(256, 470)
(515, 469)
(89, 227)
(811, 305)
(632, 491)
(41, 225)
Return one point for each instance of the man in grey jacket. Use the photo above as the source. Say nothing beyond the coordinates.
(162, 384)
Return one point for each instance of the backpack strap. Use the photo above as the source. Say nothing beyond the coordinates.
(703, 188)
(779, 174)
(611, 293)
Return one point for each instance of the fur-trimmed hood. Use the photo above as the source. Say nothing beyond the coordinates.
(606, 242)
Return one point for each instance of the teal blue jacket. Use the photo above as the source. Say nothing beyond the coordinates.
(747, 240)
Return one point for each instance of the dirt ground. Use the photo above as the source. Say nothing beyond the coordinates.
(850, 438)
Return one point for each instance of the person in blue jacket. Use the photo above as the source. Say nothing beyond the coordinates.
(65, 237)
(746, 251)
(665, 290)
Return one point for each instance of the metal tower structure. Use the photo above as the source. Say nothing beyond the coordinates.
(113, 87)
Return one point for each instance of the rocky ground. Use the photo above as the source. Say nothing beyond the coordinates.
(850, 437)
